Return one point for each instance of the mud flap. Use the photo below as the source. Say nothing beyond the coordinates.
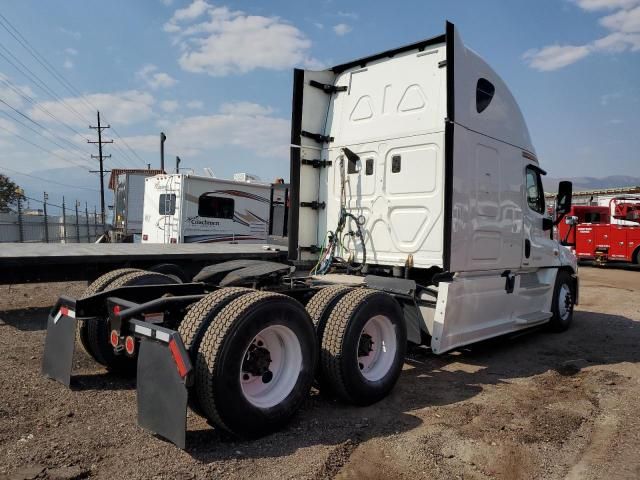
(60, 341)
(163, 372)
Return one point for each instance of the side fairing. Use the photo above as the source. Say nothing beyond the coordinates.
(309, 117)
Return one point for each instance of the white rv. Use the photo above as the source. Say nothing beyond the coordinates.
(186, 208)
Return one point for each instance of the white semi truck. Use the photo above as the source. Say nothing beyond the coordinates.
(417, 215)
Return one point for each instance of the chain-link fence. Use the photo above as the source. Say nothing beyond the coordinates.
(50, 223)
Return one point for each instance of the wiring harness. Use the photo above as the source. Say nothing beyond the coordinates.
(335, 240)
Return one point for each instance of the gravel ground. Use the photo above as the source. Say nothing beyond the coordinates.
(538, 406)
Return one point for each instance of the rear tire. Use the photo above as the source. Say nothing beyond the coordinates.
(255, 364)
(563, 302)
(195, 323)
(97, 286)
(319, 308)
(99, 330)
(363, 346)
(636, 257)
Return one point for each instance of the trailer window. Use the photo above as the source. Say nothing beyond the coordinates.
(535, 193)
(484, 94)
(215, 207)
(167, 204)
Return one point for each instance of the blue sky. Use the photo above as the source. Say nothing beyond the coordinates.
(216, 77)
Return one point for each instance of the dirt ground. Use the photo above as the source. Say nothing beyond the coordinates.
(538, 406)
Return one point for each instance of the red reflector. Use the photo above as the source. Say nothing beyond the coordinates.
(129, 345)
(182, 368)
(145, 237)
(64, 310)
(173, 240)
(115, 338)
(116, 309)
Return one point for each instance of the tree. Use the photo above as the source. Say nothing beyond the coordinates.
(10, 193)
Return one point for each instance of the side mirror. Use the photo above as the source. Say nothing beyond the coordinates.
(572, 220)
(563, 199)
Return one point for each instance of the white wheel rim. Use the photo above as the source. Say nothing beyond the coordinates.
(377, 348)
(565, 302)
(284, 361)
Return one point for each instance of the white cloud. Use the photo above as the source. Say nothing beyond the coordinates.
(342, 29)
(318, 25)
(169, 105)
(121, 108)
(154, 79)
(70, 33)
(193, 11)
(608, 97)
(68, 64)
(593, 5)
(13, 96)
(231, 41)
(71, 51)
(166, 3)
(242, 125)
(195, 104)
(245, 108)
(7, 127)
(624, 25)
(618, 42)
(351, 15)
(626, 21)
(554, 57)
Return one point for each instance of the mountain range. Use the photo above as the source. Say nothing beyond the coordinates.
(592, 183)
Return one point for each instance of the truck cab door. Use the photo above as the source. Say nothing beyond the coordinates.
(539, 249)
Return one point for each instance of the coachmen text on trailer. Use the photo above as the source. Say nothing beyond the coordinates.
(417, 215)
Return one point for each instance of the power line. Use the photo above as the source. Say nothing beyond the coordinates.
(60, 78)
(13, 87)
(36, 80)
(43, 149)
(36, 131)
(66, 149)
(127, 145)
(29, 48)
(40, 85)
(47, 180)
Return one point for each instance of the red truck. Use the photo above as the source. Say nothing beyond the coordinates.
(603, 233)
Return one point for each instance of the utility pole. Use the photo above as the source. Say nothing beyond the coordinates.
(177, 164)
(101, 157)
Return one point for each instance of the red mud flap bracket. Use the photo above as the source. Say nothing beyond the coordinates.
(60, 341)
(163, 374)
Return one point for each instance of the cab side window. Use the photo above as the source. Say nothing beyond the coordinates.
(535, 193)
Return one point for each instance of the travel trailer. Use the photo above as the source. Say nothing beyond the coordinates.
(187, 208)
(417, 215)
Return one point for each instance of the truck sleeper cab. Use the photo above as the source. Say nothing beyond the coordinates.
(416, 215)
